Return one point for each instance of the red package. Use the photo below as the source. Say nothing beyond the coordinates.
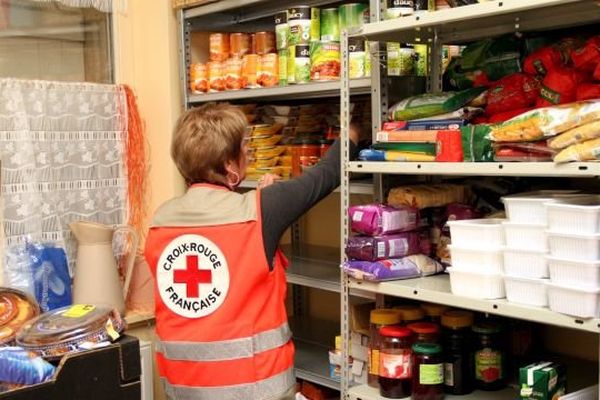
(597, 73)
(586, 58)
(543, 60)
(480, 119)
(505, 116)
(449, 146)
(509, 155)
(587, 91)
(559, 87)
(512, 92)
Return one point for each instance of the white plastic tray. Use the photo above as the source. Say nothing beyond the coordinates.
(529, 208)
(575, 273)
(526, 263)
(525, 236)
(477, 260)
(578, 302)
(589, 393)
(575, 247)
(470, 233)
(476, 284)
(579, 215)
(529, 291)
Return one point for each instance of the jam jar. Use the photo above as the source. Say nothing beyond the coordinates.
(425, 332)
(458, 358)
(411, 314)
(379, 318)
(395, 362)
(434, 312)
(428, 372)
(489, 356)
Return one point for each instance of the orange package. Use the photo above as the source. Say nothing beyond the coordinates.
(198, 78)
(216, 76)
(219, 46)
(268, 72)
(250, 64)
(233, 74)
(239, 44)
(264, 42)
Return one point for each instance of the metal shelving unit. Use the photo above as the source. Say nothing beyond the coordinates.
(456, 25)
(356, 187)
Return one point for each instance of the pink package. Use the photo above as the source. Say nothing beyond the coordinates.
(379, 219)
(402, 244)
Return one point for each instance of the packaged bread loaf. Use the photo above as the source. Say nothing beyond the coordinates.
(546, 122)
(586, 151)
(425, 196)
(576, 135)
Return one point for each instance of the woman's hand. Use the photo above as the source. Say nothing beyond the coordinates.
(354, 133)
(267, 180)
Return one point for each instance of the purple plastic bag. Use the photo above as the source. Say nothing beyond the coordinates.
(390, 269)
(387, 246)
(379, 219)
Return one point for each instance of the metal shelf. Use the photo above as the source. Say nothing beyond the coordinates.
(436, 289)
(484, 20)
(364, 392)
(538, 169)
(291, 92)
(359, 187)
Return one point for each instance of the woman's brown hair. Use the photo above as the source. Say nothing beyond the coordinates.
(205, 139)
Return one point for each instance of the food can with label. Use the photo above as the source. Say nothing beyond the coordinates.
(301, 64)
(357, 58)
(250, 65)
(291, 65)
(315, 24)
(421, 6)
(367, 59)
(282, 31)
(264, 42)
(330, 25)
(268, 70)
(399, 8)
(299, 22)
(219, 46)
(239, 44)
(401, 59)
(283, 66)
(353, 16)
(421, 59)
(198, 78)
(233, 74)
(325, 61)
(216, 76)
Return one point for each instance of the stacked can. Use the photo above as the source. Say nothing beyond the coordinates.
(282, 35)
(304, 26)
(351, 17)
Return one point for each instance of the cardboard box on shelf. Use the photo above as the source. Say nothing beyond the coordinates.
(542, 381)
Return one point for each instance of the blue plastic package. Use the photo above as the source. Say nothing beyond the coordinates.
(19, 366)
(51, 276)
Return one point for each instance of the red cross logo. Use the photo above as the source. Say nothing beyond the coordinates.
(192, 276)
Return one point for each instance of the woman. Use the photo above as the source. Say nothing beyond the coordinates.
(220, 278)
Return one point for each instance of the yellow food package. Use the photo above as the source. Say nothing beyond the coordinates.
(575, 135)
(265, 141)
(268, 152)
(586, 151)
(265, 129)
(285, 161)
(265, 162)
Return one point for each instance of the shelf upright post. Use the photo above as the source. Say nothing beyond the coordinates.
(436, 72)
(344, 204)
(185, 53)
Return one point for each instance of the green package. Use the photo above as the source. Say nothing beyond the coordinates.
(476, 143)
(424, 148)
(542, 381)
(430, 105)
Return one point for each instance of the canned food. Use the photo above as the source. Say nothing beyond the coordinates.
(252, 43)
(268, 70)
(282, 31)
(421, 59)
(250, 64)
(315, 24)
(299, 21)
(325, 61)
(239, 44)
(305, 154)
(301, 64)
(265, 42)
(233, 74)
(330, 25)
(198, 78)
(283, 67)
(399, 8)
(401, 59)
(216, 76)
(357, 58)
(219, 46)
(367, 59)
(291, 65)
(353, 16)
(421, 6)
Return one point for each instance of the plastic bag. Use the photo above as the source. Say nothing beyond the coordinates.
(587, 57)
(576, 135)
(586, 151)
(477, 147)
(22, 367)
(51, 276)
(429, 105)
(17, 269)
(393, 155)
(388, 246)
(378, 219)
(588, 91)
(559, 87)
(543, 60)
(390, 269)
(506, 115)
(546, 122)
(516, 91)
(597, 73)
(426, 196)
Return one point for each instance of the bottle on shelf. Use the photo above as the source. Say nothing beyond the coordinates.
(434, 312)
(411, 313)
(395, 362)
(427, 372)
(425, 332)
(379, 318)
(458, 357)
(489, 356)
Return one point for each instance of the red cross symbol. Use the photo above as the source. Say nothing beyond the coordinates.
(192, 276)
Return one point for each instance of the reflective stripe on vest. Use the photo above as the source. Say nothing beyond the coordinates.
(226, 349)
(260, 390)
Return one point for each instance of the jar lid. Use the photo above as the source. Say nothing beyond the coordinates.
(486, 328)
(395, 331)
(427, 348)
(384, 316)
(457, 319)
(434, 310)
(411, 313)
(424, 327)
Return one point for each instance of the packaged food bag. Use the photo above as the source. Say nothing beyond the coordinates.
(597, 73)
(23, 367)
(390, 269)
(588, 91)
(576, 135)
(513, 92)
(543, 60)
(367, 248)
(426, 196)
(546, 122)
(379, 219)
(559, 87)
(429, 105)
(587, 57)
(477, 147)
(586, 151)
(506, 115)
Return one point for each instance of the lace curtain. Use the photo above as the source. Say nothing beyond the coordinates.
(62, 148)
(100, 5)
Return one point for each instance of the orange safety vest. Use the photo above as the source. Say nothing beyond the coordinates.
(221, 320)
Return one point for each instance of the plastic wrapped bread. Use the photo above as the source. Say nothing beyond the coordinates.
(426, 196)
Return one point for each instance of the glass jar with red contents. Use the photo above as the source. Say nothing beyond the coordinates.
(425, 332)
(489, 356)
(427, 372)
(306, 152)
(395, 362)
(379, 318)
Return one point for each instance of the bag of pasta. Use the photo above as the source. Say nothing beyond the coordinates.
(576, 135)
(586, 151)
(546, 122)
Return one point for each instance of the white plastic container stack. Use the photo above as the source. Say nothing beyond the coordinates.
(477, 258)
(574, 261)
